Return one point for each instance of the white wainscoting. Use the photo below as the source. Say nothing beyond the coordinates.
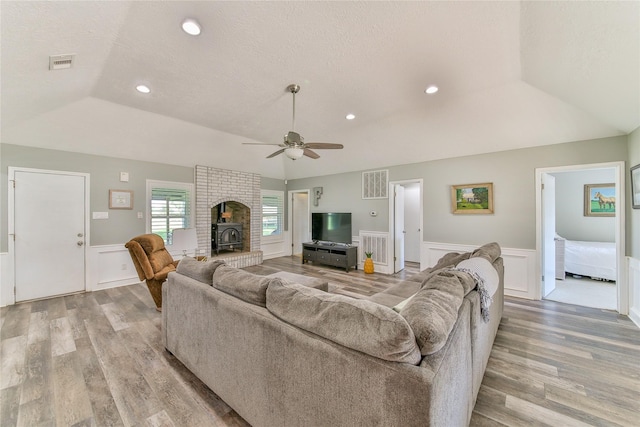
(7, 279)
(633, 275)
(519, 266)
(110, 266)
(274, 249)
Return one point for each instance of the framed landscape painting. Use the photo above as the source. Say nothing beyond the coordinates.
(600, 200)
(472, 198)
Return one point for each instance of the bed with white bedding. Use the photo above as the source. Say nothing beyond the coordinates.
(592, 259)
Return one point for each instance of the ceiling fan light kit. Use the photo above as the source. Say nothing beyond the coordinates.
(294, 146)
(294, 153)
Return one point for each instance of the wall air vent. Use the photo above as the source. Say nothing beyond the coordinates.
(375, 184)
(61, 62)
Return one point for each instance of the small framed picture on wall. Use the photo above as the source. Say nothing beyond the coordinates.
(120, 199)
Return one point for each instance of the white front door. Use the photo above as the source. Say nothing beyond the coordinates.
(548, 233)
(399, 230)
(49, 227)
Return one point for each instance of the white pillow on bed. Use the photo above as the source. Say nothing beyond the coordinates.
(483, 268)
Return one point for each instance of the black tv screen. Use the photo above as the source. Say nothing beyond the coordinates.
(331, 227)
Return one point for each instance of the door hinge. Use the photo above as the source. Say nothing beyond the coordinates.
(13, 182)
(543, 186)
(395, 259)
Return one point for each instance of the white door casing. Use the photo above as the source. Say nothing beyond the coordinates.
(49, 222)
(548, 233)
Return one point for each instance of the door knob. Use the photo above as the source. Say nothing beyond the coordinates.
(80, 235)
(80, 243)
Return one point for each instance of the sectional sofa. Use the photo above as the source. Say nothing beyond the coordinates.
(284, 354)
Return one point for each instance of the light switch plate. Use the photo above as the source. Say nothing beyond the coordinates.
(101, 215)
(140, 215)
(124, 176)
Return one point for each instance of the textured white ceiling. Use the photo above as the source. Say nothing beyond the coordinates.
(511, 75)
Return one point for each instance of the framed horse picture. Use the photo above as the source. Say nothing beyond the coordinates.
(600, 200)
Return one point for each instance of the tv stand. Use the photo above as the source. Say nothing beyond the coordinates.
(328, 253)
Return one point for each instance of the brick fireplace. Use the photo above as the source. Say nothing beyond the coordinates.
(235, 189)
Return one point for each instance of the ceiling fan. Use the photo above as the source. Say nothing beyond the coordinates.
(294, 146)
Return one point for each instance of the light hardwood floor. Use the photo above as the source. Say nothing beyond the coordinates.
(97, 359)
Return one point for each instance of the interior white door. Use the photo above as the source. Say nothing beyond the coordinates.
(49, 223)
(399, 230)
(548, 233)
(412, 223)
(300, 221)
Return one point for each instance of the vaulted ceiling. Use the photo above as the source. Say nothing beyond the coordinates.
(511, 75)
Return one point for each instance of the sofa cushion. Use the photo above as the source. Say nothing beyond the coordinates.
(433, 311)
(357, 324)
(198, 270)
(160, 259)
(241, 284)
(490, 251)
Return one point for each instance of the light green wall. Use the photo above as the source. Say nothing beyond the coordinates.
(511, 172)
(633, 216)
(104, 175)
(272, 184)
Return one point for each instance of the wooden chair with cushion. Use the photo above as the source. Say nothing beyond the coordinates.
(153, 263)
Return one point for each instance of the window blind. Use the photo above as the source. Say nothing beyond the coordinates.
(170, 209)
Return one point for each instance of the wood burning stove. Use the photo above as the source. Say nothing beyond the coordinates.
(226, 235)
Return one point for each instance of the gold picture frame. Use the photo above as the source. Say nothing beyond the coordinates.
(120, 199)
(600, 199)
(472, 198)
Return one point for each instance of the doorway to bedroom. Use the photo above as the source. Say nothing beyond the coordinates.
(581, 238)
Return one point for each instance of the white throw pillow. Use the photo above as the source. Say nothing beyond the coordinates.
(483, 268)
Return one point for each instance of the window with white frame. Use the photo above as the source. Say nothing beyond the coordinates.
(169, 206)
(272, 214)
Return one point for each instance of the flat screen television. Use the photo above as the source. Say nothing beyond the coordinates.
(332, 227)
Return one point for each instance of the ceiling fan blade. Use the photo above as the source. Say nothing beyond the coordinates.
(276, 153)
(261, 143)
(311, 154)
(323, 145)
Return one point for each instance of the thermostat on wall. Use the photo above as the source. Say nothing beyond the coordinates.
(124, 176)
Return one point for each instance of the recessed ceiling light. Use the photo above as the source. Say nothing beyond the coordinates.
(431, 89)
(143, 89)
(350, 116)
(191, 26)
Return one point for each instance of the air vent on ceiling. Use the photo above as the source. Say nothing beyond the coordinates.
(61, 62)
